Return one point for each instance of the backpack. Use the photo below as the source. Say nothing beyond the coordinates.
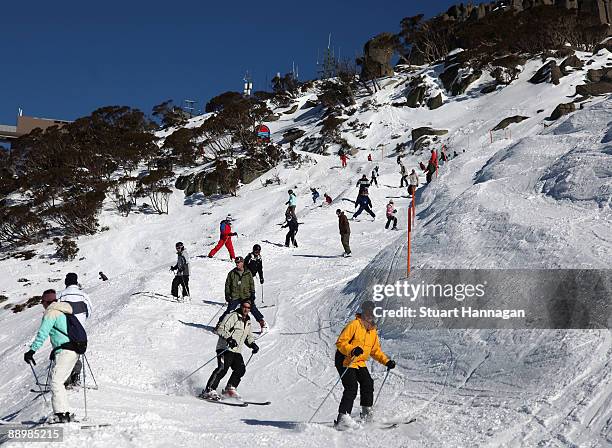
(76, 334)
(222, 225)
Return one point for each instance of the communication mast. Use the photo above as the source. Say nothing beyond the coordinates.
(329, 66)
(248, 85)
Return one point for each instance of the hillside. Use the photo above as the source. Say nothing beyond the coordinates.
(534, 196)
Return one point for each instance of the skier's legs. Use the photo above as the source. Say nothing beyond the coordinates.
(366, 386)
(287, 238)
(230, 247)
(238, 370)
(223, 362)
(75, 375)
(358, 212)
(255, 312)
(185, 285)
(176, 281)
(217, 247)
(349, 381)
(369, 210)
(344, 238)
(389, 219)
(394, 222)
(64, 362)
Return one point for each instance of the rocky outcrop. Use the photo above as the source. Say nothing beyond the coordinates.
(604, 74)
(292, 110)
(549, 72)
(458, 75)
(292, 135)
(435, 101)
(594, 88)
(420, 132)
(419, 93)
(562, 109)
(569, 63)
(310, 104)
(377, 54)
(508, 121)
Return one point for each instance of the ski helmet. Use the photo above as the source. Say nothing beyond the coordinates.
(179, 245)
(71, 279)
(256, 248)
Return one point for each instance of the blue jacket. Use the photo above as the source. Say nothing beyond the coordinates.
(363, 201)
(53, 320)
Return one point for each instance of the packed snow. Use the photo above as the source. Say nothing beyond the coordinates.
(540, 199)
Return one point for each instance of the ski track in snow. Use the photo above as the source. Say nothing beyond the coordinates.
(493, 207)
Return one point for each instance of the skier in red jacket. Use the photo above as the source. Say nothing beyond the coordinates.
(434, 158)
(225, 239)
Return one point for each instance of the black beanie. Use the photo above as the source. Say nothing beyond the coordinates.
(71, 279)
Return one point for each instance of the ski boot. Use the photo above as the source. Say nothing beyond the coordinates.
(210, 394)
(230, 392)
(367, 414)
(264, 326)
(63, 417)
(345, 422)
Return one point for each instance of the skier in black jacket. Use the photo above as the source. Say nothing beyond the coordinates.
(254, 263)
(293, 228)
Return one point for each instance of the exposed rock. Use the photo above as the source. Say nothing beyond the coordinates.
(377, 54)
(182, 182)
(419, 132)
(594, 88)
(508, 121)
(310, 104)
(565, 52)
(594, 75)
(292, 135)
(571, 61)
(549, 72)
(458, 75)
(562, 109)
(489, 89)
(292, 110)
(272, 117)
(607, 44)
(435, 102)
(416, 94)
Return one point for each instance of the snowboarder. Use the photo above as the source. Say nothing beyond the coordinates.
(239, 285)
(391, 215)
(364, 203)
(73, 293)
(234, 330)
(291, 203)
(254, 263)
(315, 195)
(181, 276)
(54, 325)
(413, 182)
(292, 223)
(328, 199)
(374, 178)
(403, 174)
(357, 342)
(345, 232)
(225, 238)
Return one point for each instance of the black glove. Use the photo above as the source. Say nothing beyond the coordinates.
(390, 365)
(231, 342)
(261, 281)
(254, 347)
(172, 268)
(233, 234)
(357, 351)
(29, 357)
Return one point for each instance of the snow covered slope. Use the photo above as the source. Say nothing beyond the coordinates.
(540, 199)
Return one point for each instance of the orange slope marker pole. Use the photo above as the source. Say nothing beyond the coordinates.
(409, 235)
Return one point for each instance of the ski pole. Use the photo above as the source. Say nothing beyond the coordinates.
(247, 363)
(91, 371)
(84, 388)
(36, 378)
(216, 314)
(262, 295)
(332, 389)
(381, 387)
(206, 363)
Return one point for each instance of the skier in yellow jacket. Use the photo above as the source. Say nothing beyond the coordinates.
(357, 342)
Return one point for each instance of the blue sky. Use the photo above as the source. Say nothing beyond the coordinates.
(64, 59)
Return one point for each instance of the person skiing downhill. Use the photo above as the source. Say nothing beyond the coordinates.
(73, 293)
(357, 342)
(374, 177)
(291, 203)
(254, 263)
(292, 223)
(364, 203)
(181, 276)
(413, 182)
(343, 159)
(234, 330)
(315, 195)
(328, 199)
(225, 238)
(345, 232)
(391, 215)
(54, 325)
(363, 183)
(239, 285)
(403, 174)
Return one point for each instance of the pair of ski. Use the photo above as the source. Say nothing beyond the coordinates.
(375, 425)
(236, 402)
(30, 424)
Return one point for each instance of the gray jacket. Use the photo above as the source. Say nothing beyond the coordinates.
(182, 263)
(233, 326)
